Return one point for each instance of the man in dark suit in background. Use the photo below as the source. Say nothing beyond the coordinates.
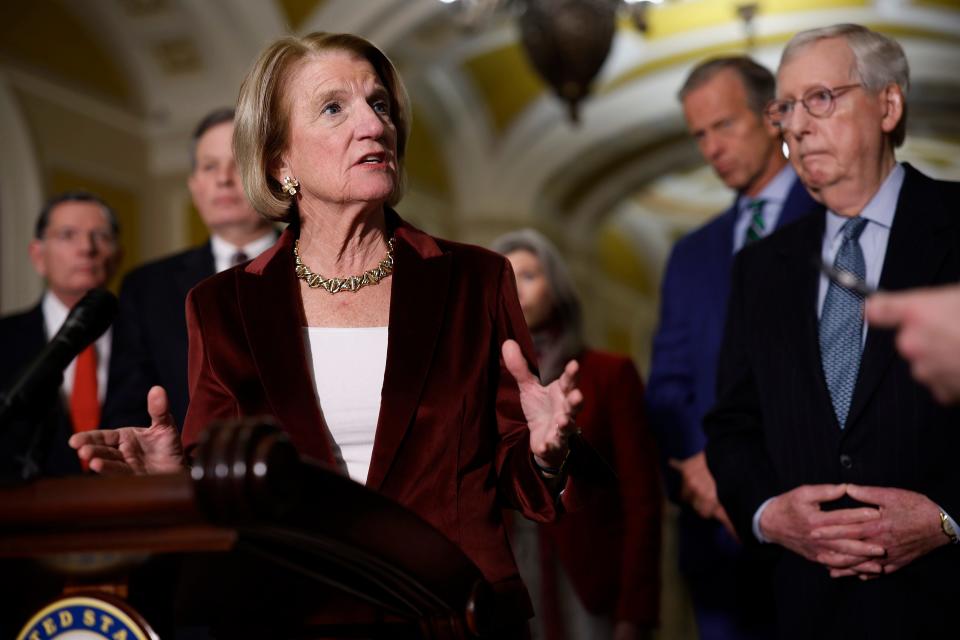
(75, 249)
(822, 444)
(723, 101)
(150, 335)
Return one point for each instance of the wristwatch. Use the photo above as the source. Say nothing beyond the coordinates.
(947, 528)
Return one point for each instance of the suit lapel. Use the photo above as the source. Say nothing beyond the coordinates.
(798, 204)
(272, 313)
(722, 257)
(918, 244)
(800, 258)
(800, 305)
(419, 291)
(196, 266)
(34, 334)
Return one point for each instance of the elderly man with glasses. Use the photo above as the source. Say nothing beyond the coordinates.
(822, 445)
(75, 248)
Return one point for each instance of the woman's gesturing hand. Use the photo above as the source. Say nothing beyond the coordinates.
(549, 410)
(135, 450)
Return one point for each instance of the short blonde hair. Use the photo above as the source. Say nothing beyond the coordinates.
(261, 126)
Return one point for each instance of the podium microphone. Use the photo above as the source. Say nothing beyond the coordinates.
(87, 321)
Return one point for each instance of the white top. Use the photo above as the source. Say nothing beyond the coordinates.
(347, 365)
(54, 315)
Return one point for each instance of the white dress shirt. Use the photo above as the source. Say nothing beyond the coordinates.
(54, 315)
(223, 251)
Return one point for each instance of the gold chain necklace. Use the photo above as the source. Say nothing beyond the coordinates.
(350, 283)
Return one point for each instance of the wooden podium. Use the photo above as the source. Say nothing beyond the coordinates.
(252, 542)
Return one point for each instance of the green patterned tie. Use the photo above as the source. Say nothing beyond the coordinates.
(756, 228)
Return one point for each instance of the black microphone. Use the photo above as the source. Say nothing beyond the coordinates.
(86, 322)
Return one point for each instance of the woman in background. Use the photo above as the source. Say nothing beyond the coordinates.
(595, 572)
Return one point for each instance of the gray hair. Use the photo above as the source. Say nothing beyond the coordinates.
(757, 80)
(567, 314)
(76, 195)
(879, 61)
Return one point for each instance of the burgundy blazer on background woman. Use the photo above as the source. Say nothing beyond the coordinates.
(610, 549)
(451, 442)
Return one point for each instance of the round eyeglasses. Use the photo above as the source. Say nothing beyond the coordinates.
(818, 101)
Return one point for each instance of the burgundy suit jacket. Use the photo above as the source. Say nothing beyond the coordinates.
(610, 548)
(451, 442)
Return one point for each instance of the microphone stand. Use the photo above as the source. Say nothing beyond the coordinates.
(36, 391)
(32, 460)
(32, 431)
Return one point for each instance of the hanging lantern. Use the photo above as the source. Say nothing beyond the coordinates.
(567, 42)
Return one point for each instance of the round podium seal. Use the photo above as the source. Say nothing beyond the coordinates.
(87, 617)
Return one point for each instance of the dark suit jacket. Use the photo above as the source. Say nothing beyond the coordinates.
(150, 337)
(610, 549)
(22, 337)
(451, 441)
(773, 428)
(686, 348)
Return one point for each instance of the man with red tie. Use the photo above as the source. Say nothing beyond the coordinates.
(75, 249)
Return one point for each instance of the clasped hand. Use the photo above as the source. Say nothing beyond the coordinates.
(861, 541)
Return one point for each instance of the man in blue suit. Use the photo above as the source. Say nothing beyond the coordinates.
(723, 101)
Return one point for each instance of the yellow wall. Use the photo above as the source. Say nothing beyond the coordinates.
(43, 37)
(75, 151)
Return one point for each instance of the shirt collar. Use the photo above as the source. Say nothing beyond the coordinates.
(224, 251)
(881, 208)
(54, 313)
(776, 190)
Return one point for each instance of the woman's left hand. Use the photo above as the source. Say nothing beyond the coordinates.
(549, 410)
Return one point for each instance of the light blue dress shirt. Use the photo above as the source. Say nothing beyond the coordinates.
(774, 196)
(873, 240)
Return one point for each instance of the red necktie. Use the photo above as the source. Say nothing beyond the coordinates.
(84, 402)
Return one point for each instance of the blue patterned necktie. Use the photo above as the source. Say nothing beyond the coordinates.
(841, 323)
(756, 228)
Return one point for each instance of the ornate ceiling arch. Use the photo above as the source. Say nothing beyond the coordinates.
(491, 147)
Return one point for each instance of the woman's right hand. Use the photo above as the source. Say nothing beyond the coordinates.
(549, 409)
(135, 450)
